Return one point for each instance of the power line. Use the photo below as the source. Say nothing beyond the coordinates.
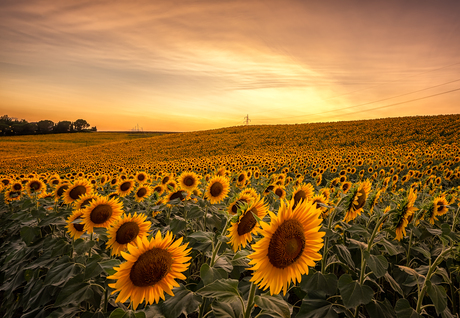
(246, 120)
(377, 101)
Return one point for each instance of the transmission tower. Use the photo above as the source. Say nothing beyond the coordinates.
(246, 120)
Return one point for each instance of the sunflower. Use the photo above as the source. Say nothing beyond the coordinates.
(179, 194)
(16, 186)
(151, 269)
(279, 191)
(75, 229)
(144, 191)
(289, 244)
(159, 189)
(437, 207)
(125, 187)
(126, 230)
(404, 212)
(75, 190)
(239, 200)
(302, 192)
(35, 187)
(189, 180)
(141, 177)
(345, 186)
(217, 189)
(12, 195)
(245, 224)
(358, 197)
(252, 192)
(101, 213)
(60, 189)
(84, 201)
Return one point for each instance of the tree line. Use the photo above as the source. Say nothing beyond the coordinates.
(13, 126)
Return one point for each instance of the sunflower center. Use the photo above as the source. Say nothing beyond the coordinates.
(125, 186)
(216, 189)
(151, 267)
(61, 190)
(77, 191)
(247, 222)
(157, 189)
(279, 192)
(17, 187)
(361, 199)
(189, 181)
(141, 177)
(165, 179)
(141, 192)
(177, 195)
(440, 206)
(78, 226)
(101, 213)
(241, 177)
(55, 182)
(35, 185)
(127, 232)
(299, 196)
(286, 244)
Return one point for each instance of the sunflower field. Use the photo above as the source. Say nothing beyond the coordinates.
(345, 219)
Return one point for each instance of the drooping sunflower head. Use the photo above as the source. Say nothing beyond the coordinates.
(12, 195)
(289, 245)
(302, 192)
(126, 230)
(101, 213)
(404, 213)
(125, 187)
(242, 198)
(151, 269)
(357, 200)
(189, 180)
(217, 189)
(75, 228)
(77, 189)
(435, 208)
(245, 224)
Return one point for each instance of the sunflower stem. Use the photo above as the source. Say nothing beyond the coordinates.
(408, 249)
(106, 298)
(454, 221)
(218, 245)
(91, 238)
(250, 304)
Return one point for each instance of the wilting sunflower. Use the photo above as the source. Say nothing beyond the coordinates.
(101, 213)
(217, 189)
(77, 189)
(289, 245)
(142, 192)
(302, 192)
(404, 212)
(75, 229)
(125, 187)
(239, 200)
(126, 230)
(189, 180)
(84, 201)
(241, 231)
(151, 269)
(35, 187)
(357, 200)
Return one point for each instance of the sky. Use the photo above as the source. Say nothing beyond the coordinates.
(196, 65)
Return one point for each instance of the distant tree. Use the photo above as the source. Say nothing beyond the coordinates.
(30, 128)
(18, 128)
(45, 126)
(62, 126)
(94, 128)
(81, 124)
(5, 119)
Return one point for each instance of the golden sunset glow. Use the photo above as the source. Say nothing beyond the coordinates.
(202, 65)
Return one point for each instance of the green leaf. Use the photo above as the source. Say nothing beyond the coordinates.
(344, 255)
(394, 284)
(202, 241)
(353, 294)
(210, 274)
(76, 294)
(225, 290)
(438, 296)
(177, 224)
(59, 275)
(316, 308)
(184, 302)
(379, 309)
(390, 248)
(92, 267)
(359, 229)
(422, 251)
(108, 266)
(28, 234)
(241, 259)
(404, 310)
(274, 306)
(195, 212)
(319, 285)
(120, 313)
(227, 310)
(223, 263)
(65, 312)
(82, 246)
(377, 264)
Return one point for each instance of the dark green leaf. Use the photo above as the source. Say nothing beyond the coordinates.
(359, 230)
(195, 212)
(379, 309)
(319, 285)
(394, 284)
(404, 310)
(377, 263)
(92, 267)
(108, 266)
(184, 302)
(120, 313)
(59, 275)
(423, 251)
(223, 263)
(227, 310)
(344, 255)
(202, 241)
(241, 258)
(353, 294)
(274, 306)
(82, 246)
(177, 224)
(390, 248)
(28, 234)
(225, 290)
(65, 312)
(316, 308)
(74, 294)
(438, 296)
(210, 274)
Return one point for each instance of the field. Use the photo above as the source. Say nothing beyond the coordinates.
(345, 219)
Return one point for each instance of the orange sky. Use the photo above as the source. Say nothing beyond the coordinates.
(194, 65)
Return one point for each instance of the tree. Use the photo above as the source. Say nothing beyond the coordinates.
(62, 126)
(45, 126)
(81, 124)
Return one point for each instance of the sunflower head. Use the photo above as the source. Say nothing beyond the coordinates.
(242, 198)
(126, 230)
(217, 189)
(125, 187)
(150, 269)
(84, 201)
(77, 189)
(75, 228)
(189, 180)
(101, 213)
(356, 200)
(35, 187)
(289, 245)
(404, 213)
(303, 192)
(142, 192)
